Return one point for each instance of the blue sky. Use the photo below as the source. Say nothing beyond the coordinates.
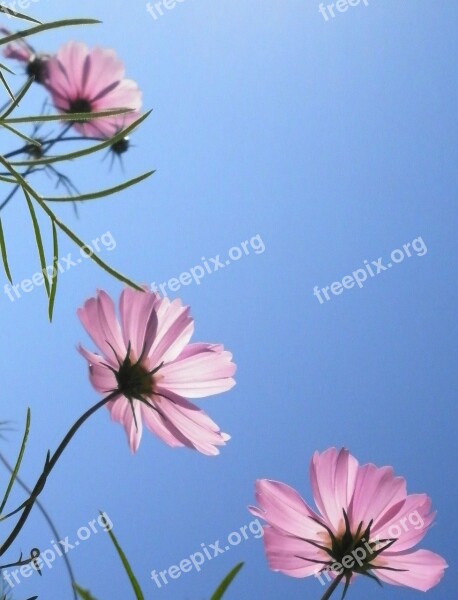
(333, 141)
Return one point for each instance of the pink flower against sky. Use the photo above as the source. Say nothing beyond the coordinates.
(364, 513)
(36, 63)
(147, 356)
(86, 81)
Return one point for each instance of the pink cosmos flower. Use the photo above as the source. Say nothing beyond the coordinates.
(36, 63)
(85, 81)
(147, 358)
(366, 524)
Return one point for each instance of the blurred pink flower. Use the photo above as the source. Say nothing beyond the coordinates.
(365, 519)
(36, 63)
(85, 81)
(147, 357)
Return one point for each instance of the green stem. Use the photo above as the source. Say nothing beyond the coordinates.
(29, 169)
(333, 587)
(48, 519)
(49, 466)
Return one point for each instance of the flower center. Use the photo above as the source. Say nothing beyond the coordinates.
(350, 546)
(121, 146)
(134, 381)
(352, 552)
(35, 152)
(37, 67)
(80, 105)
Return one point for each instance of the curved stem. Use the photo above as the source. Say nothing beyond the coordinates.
(334, 585)
(49, 466)
(48, 519)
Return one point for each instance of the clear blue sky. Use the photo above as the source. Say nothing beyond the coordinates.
(335, 141)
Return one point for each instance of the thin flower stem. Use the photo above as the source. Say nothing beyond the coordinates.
(64, 131)
(48, 519)
(14, 153)
(49, 143)
(49, 466)
(333, 587)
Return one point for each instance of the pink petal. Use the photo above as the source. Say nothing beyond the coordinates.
(333, 476)
(174, 330)
(423, 569)
(101, 377)
(125, 95)
(16, 52)
(118, 409)
(139, 319)
(377, 491)
(110, 323)
(290, 555)
(121, 412)
(104, 68)
(204, 373)
(108, 127)
(163, 428)
(409, 525)
(283, 508)
(66, 69)
(192, 423)
(99, 320)
(90, 129)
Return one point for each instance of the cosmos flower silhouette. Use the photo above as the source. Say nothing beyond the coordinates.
(361, 521)
(36, 63)
(81, 80)
(148, 358)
